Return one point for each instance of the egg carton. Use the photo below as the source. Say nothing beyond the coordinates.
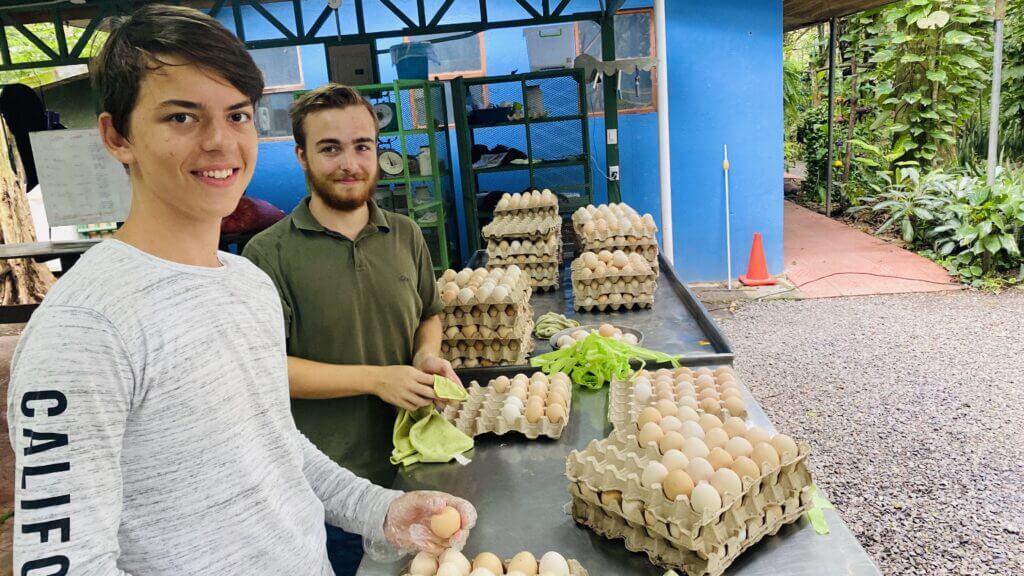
(521, 227)
(473, 332)
(512, 351)
(638, 538)
(515, 297)
(451, 276)
(623, 410)
(546, 247)
(548, 210)
(459, 363)
(617, 462)
(541, 271)
(523, 260)
(589, 290)
(648, 248)
(575, 568)
(579, 269)
(590, 304)
(481, 414)
(633, 236)
(491, 316)
(546, 285)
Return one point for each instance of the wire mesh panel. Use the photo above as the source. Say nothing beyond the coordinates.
(548, 97)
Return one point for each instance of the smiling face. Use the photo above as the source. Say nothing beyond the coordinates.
(191, 144)
(340, 156)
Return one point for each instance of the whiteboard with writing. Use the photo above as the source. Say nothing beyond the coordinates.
(80, 181)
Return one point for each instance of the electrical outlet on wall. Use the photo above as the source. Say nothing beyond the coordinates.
(613, 173)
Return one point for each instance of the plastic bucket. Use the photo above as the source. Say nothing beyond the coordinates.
(413, 60)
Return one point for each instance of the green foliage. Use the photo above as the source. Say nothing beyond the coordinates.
(927, 70)
(23, 50)
(909, 201)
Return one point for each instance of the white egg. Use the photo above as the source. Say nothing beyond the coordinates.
(691, 429)
(642, 392)
(481, 572)
(554, 563)
(653, 474)
(705, 498)
(423, 564)
(449, 569)
(515, 401)
(674, 460)
(671, 424)
(452, 556)
(510, 413)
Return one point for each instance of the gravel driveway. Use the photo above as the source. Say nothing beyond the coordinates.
(914, 409)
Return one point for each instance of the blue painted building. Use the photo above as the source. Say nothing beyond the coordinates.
(725, 87)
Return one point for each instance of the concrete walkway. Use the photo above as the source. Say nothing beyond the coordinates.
(826, 258)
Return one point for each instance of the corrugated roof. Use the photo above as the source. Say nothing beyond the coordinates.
(802, 13)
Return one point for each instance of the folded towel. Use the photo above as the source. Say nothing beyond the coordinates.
(423, 435)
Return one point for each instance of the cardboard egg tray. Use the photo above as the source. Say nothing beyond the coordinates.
(533, 228)
(474, 332)
(592, 304)
(623, 410)
(648, 247)
(551, 245)
(518, 295)
(634, 237)
(542, 211)
(638, 538)
(575, 568)
(495, 350)
(523, 260)
(595, 288)
(481, 316)
(617, 462)
(481, 414)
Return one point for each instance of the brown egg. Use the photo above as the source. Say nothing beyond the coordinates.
(490, 562)
(651, 432)
(708, 393)
(745, 468)
(688, 402)
(648, 415)
(704, 380)
(785, 446)
(699, 470)
(667, 408)
(738, 446)
(677, 483)
(716, 438)
(538, 388)
(556, 413)
(540, 377)
(736, 406)
(757, 435)
(709, 422)
(710, 406)
(447, 523)
(735, 426)
(719, 458)
(671, 441)
(765, 456)
(523, 562)
(555, 397)
(611, 498)
(534, 412)
(688, 414)
(727, 483)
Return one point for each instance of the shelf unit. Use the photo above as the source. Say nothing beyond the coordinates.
(421, 125)
(551, 129)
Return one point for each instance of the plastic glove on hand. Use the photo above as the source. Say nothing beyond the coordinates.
(407, 525)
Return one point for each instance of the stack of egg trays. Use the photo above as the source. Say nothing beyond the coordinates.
(671, 532)
(586, 293)
(481, 414)
(646, 245)
(623, 410)
(543, 227)
(503, 330)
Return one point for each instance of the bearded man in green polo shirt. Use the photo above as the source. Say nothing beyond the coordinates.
(359, 297)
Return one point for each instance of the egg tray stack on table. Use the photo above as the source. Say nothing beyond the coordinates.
(691, 494)
(612, 280)
(527, 231)
(487, 317)
(683, 393)
(535, 405)
(455, 563)
(616, 227)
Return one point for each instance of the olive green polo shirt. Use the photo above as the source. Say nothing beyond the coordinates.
(350, 302)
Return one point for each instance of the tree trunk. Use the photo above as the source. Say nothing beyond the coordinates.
(853, 116)
(24, 281)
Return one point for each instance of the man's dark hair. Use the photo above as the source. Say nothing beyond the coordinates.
(327, 97)
(137, 42)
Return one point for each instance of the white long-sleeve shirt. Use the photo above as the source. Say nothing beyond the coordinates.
(150, 420)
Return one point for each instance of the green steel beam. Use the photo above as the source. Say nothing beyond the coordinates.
(5, 50)
(215, 10)
(421, 12)
(258, 7)
(320, 20)
(398, 12)
(360, 19)
(529, 8)
(236, 11)
(561, 6)
(440, 13)
(83, 41)
(29, 36)
(62, 40)
(611, 106)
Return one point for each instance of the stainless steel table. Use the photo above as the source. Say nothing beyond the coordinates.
(519, 486)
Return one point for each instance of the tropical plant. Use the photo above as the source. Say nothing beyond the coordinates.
(23, 50)
(927, 72)
(909, 201)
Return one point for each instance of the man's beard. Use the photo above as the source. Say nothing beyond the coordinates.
(346, 201)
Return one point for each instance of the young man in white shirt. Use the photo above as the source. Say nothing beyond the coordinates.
(148, 403)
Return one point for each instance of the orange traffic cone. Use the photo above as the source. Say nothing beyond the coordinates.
(757, 267)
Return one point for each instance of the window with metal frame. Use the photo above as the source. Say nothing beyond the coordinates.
(634, 38)
(282, 77)
(461, 56)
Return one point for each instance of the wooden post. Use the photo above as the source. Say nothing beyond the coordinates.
(22, 281)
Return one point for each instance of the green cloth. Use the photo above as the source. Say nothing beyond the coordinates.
(424, 435)
(816, 514)
(349, 302)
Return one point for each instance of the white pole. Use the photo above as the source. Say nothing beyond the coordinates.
(664, 158)
(997, 80)
(728, 223)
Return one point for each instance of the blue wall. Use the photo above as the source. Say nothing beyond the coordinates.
(725, 86)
